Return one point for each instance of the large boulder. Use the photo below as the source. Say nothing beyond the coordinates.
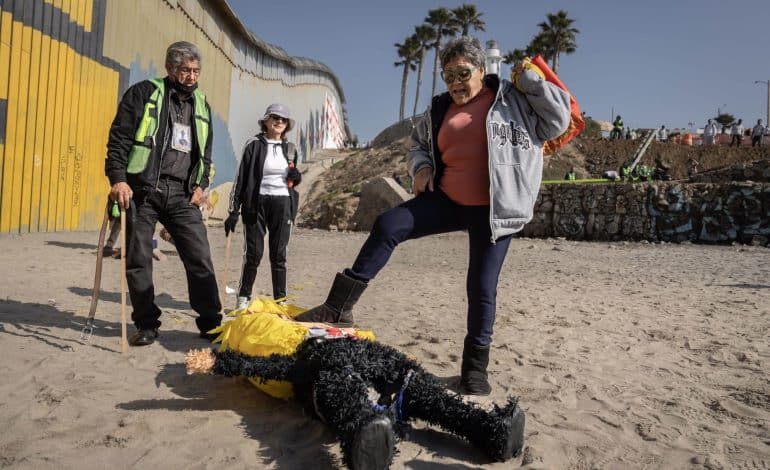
(377, 196)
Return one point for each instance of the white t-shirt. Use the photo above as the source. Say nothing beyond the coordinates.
(275, 170)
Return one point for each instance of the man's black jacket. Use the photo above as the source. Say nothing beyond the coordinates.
(123, 129)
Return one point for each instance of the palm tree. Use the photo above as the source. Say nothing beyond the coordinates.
(540, 44)
(424, 35)
(441, 21)
(466, 16)
(408, 54)
(559, 36)
(515, 56)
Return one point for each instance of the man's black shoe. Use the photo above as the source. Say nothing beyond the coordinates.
(143, 337)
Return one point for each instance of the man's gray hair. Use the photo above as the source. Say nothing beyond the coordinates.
(180, 52)
(464, 46)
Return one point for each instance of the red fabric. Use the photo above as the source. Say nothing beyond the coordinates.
(576, 124)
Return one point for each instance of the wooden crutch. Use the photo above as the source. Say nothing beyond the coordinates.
(124, 337)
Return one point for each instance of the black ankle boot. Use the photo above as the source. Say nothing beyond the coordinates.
(338, 307)
(473, 375)
(373, 445)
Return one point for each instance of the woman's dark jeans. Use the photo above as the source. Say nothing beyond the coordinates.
(432, 213)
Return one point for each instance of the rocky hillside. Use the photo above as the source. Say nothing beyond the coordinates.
(592, 157)
(331, 199)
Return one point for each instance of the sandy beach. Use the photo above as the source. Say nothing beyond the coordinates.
(625, 355)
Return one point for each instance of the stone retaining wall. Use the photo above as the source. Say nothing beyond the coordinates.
(669, 212)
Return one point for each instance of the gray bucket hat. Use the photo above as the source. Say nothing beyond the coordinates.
(279, 110)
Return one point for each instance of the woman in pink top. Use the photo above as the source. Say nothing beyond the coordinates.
(476, 163)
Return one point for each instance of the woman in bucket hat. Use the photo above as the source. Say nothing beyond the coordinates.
(263, 194)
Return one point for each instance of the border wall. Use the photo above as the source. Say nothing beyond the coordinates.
(64, 64)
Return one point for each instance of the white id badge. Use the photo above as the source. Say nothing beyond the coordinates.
(180, 138)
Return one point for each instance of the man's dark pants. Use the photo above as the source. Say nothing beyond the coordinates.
(170, 205)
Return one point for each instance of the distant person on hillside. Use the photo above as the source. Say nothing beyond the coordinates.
(570, 175)
(662, 170)
(756, 134)
(617, 128)
(461, 159)
(709, 132)
(628, 133)
(662, 134)
(263, 194)
(737, 133)
(692, 167)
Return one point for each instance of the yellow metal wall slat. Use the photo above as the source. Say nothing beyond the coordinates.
(87, 216)
(20, 197)
(50, 48)
(40, 157)
(88, 185)
(15, 114)
(88, 17)
(63, 118)
(57, 103)
(75, 168)
(6, 25)
(68, 144)
(84, 148)
(87, 115)
(29, 156)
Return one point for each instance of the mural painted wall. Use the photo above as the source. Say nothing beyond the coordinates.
(64, 64)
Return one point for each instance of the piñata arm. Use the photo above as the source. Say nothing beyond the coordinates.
(231, 364)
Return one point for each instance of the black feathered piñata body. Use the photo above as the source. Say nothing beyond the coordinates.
(333, 378)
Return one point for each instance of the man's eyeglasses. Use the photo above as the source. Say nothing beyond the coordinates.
(278, 118)
(464, 74)
(189, 71)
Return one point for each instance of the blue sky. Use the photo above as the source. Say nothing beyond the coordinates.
(654, 62)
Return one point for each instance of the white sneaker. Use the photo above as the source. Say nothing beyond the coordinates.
(243, 302)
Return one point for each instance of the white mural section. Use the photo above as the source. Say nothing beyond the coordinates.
(332, 131)
(313, 107)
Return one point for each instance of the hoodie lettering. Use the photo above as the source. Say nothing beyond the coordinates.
(508, 133)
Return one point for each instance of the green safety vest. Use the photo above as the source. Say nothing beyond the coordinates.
(144, 139)
(571, 176)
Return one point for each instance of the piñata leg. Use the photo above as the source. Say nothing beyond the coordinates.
(366, 434)
(499, 433)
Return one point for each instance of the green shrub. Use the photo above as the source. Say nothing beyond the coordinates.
(329, 196)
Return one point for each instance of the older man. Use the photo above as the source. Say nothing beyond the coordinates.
(158, 161)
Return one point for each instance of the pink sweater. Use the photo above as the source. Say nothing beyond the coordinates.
(462, 140)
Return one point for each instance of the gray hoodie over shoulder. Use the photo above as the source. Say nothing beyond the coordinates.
(517, 125)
